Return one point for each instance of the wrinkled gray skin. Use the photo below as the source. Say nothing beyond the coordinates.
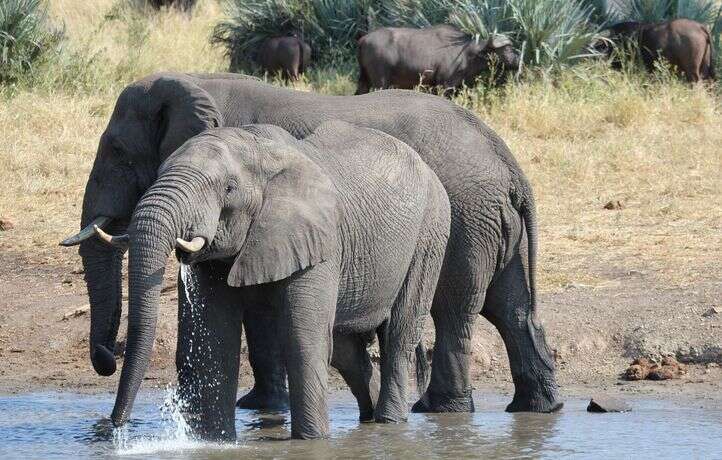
(684, 43)
(394, 57)
(489, 267)
(288, 55)
(340, 235)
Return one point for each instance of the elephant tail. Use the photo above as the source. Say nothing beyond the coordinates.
(528, 214)
(423, 369)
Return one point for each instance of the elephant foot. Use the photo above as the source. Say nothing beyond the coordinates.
(547, 402)
(431, 402)
(385, 419)
(264, 400)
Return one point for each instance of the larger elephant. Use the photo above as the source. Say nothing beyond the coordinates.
(344, 231)
(489, 268)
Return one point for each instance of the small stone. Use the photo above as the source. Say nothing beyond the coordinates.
(6, 224)
(711, 312)
(77, 271)
(613, 205)
(77, 312)
(604, 404)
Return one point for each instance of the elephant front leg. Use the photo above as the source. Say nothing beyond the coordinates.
(207, 355)
(308, 307)
(264, 354)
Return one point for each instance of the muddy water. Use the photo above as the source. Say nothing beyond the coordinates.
(69, 425)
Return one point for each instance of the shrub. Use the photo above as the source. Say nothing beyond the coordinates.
(25, 36)
(552, 32)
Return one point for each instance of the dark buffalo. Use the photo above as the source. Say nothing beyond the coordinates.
(288, 55)
(444, 56)
(184, 5)
(684, 43)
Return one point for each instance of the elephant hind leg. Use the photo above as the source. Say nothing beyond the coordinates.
(457, 302)
(269, 391)
(352, 360)
(402, 331)
(508, 308)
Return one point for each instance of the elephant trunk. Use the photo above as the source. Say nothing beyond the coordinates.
(152, 231)
(103, 275)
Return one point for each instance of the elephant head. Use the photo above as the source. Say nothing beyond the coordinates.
(230, 195)
(151, 119)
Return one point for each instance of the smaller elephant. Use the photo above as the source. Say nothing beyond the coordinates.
(289, 55)
(684, 43)
(341, 236)
(394, 57)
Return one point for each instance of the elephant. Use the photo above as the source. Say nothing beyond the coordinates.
(684, 43)
(490, 262)
(341, 234)
(288, 55)
(437, 56)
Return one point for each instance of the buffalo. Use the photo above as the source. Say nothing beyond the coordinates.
(684, 43)
(289, 55)
(395, 57)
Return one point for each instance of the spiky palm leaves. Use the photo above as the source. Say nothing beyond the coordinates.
(24, 36)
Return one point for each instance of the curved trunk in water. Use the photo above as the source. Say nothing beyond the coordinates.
(153, 233)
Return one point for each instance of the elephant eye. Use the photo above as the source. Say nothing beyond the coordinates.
(231, 187)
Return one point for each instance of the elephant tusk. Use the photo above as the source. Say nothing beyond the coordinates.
(121, 241)
(87, 232)
(195, 245)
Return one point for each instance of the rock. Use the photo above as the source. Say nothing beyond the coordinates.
(604, 404)
(711, 312)
(6, 224)
(662, 373)
(613, 205)
(636, 372)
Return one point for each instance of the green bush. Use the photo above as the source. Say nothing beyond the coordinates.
(548, 33)
(25, 36)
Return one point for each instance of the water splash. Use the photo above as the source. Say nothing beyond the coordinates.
(175, 434)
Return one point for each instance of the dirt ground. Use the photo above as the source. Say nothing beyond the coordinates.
(595, 331)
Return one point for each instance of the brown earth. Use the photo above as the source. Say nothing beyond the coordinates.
(595, 332)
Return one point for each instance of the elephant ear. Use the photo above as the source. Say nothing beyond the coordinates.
(185, 110)
(297, 223)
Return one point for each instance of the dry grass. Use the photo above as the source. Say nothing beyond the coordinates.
(588, 138)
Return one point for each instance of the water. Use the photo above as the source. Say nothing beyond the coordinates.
(71, 425)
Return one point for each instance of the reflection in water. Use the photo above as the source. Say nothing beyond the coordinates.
(65, 425)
